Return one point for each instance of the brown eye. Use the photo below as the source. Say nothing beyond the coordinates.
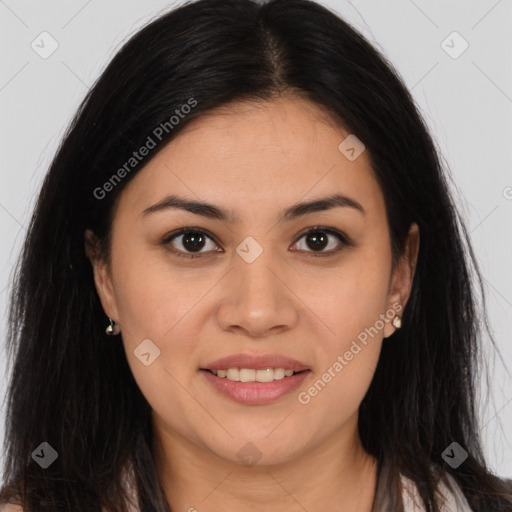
(317, 239)
(194, 243)
(191, 241)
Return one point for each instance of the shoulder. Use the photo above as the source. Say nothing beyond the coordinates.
(10, 507)
(452, 497)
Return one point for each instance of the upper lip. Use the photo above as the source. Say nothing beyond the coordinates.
(257, 362)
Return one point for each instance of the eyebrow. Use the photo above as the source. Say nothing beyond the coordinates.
(214, 212)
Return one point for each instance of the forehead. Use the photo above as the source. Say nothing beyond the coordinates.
(257, 155)
(282, 123)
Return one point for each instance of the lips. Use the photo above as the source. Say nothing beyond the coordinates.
(256, 393)
(256, 362)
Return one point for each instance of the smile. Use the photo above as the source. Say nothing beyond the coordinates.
(253, 375)
(242, 385)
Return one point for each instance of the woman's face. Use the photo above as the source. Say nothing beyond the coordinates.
(258, 284)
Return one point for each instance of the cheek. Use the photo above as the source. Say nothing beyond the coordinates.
(155, 310)
(347, 360)
(153, 298)
(355, 314)
(354, 297)
(336, 393)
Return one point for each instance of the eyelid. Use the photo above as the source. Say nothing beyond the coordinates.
(343, 239)
(325, 229)
(169, 237)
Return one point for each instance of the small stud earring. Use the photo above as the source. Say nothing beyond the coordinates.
(397, 322)
(112, 328)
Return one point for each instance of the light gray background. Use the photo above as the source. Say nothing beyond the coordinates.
(467, 102)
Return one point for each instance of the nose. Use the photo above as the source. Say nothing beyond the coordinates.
(258, 300)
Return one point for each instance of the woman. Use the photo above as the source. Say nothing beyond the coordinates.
(245, 285)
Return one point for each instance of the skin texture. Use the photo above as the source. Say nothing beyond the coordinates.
(255, 161)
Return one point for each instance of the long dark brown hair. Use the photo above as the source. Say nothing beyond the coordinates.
(72, 388)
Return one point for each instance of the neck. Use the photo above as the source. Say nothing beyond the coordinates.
(335, 475)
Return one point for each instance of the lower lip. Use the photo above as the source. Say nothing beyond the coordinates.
(256, 393)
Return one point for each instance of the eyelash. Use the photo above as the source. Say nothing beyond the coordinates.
(345, 241)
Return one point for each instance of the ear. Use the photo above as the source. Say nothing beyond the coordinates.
(102, 276)
(403, 274)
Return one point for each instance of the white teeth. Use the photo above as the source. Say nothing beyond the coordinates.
(233, 374)
(264, 375)
(247, 375)
(279, 373)
(251, 375)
